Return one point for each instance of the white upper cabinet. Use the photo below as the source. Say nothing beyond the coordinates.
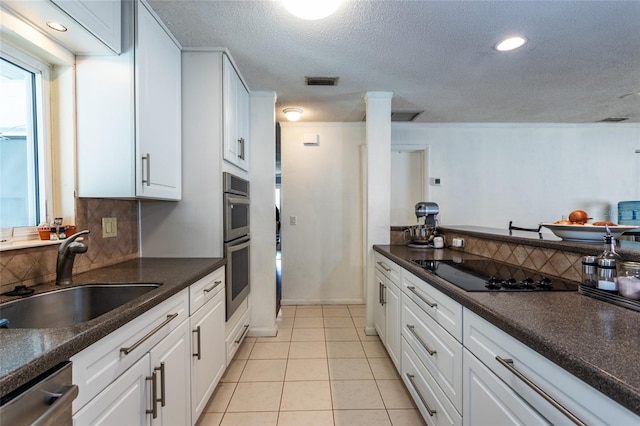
(93, 26)
(236, 117)
(129, 114)
(101, 17)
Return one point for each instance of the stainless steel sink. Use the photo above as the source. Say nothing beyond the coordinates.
(70, 306)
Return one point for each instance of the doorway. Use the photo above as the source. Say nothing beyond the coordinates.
(409, 182)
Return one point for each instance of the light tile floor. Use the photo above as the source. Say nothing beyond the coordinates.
(321, 369)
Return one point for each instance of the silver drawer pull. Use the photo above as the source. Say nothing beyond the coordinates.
(429, 410)
(199, 343)
(508, 364)
(246, 328)
(413, 290)
(154, 394)
(147, 181)
(384, 267)
(215, 284)
(130, 349)
(424, 345)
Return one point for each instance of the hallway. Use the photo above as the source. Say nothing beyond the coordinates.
(320, 370)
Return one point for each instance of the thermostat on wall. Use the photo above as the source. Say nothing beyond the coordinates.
(435, 181)
(311, 139)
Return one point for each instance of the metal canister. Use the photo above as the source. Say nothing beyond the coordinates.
(590, 271)
(607, 274)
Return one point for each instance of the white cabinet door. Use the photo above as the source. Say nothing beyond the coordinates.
(129, 114)
(488, 400)
(158, 101)
(208, 360)
(379, 311)
(393, 341)
(123, 402)
(170, 360)
(101, 18)
(236, 117)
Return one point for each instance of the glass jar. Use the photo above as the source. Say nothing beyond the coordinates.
(629, 280)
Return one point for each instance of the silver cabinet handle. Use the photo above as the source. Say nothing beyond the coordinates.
(241, 144)
(198, 353)
(380, 292)
(147, 180)
(215, 284)
(424, 402)
(384, 267)
(163, 400)
(413, 290)
(59, 402)
(130, 349)
(154, 394)
(411, 328)
(246, 328)
(508, 364)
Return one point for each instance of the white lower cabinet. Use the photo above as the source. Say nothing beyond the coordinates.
(208, 357)
(379, 309)
(393, 341)
(434, 405)
(488, 400)
(123, 402)
(154, 391)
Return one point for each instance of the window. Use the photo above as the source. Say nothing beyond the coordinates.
(22, 139)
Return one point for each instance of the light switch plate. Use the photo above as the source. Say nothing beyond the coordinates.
(109, 227)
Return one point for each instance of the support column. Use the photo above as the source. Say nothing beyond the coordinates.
(262, 171)
(377, 208)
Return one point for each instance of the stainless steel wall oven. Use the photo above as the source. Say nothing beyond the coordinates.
(236, 217)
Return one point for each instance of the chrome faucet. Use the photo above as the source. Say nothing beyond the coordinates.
(66, 254)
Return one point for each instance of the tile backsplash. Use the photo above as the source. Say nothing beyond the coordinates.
(31, 266)
(552, 262)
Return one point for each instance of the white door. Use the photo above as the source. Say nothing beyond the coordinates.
(379, 311)
(208, 360)
(170, 359)
(123, 402)
(488, 400)
(392, 330)
(158, 110)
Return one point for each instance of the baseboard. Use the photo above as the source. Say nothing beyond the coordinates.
(322, 302)
(370, 331)
(263, 332)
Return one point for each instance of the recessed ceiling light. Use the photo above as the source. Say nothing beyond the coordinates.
(510, 43)
(56, 26)
(292, 114)
(311, 9)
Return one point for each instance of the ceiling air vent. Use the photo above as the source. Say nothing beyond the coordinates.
(321, 81)
(613, 119)
(405, 115)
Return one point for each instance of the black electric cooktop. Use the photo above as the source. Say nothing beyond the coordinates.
(491, 275)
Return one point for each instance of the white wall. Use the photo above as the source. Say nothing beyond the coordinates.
(527, 173)
(321, 186)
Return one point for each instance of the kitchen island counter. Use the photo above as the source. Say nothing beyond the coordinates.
(27, 353)
(595, 341)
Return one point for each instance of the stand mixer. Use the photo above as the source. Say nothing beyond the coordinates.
(422, 234)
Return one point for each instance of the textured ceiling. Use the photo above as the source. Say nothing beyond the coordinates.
(581, 65)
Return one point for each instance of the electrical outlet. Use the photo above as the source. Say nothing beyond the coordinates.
(458, 242)
(109, 227)
(293, 220)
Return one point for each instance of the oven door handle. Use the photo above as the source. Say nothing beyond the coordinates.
(239, 244)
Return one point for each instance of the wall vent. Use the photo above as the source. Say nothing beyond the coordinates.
(321, 81)
(613, 119)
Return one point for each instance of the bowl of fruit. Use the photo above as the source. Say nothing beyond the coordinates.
(579, 228)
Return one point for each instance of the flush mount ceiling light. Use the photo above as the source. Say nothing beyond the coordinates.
(292, 114)
(311, 9)
(56, 26)
(510, 43)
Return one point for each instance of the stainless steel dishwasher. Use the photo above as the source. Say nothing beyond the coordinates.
(44, 401)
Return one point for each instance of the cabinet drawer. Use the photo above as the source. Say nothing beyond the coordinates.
(205, 289)
(98, 365)
(389, 269)
(237, 335)
(438, 350)
(444, 310)
(487, 343)
(429, 398)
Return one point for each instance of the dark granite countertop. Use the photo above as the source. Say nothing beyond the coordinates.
(25, 354)
(596, 341)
